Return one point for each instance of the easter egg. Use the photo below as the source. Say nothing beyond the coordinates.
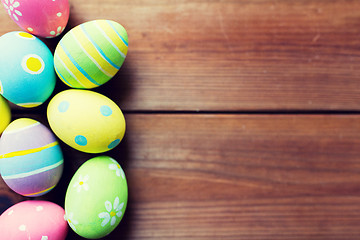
(31, 161)
(27, 76)
(5, 114)
(96, 197)
(86, 120)
(41, 18)
(34, 219)
(91, 53)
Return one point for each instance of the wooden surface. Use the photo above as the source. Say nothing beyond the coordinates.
(243, 118)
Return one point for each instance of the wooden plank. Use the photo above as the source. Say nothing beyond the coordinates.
(231, 55)
(235, 176)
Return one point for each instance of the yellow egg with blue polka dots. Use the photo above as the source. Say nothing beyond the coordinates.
(27, 76)
(91, 53)
(86, 120)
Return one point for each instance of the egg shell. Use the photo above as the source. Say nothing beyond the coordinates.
(86, 120)
(96, 197)
(91, 53)
(42, 18)
(5, 114)
(31, 161)
(27, 76)
(34, 219)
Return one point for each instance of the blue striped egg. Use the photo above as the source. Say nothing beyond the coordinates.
(91, 53)
(31, 161)
(27, 76)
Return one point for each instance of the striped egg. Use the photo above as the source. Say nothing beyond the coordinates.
(31, 161)
(91, 53)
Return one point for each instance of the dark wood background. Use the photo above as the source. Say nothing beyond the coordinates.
(243, 118)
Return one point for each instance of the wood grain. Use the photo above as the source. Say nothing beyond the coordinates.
(272, 55)
(235, 176)
(226, 175)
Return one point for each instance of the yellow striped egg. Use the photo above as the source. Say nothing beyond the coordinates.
(91, 53)
(31, 161)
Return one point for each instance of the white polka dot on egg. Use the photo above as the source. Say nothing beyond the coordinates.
(39, 208)
(22, 228)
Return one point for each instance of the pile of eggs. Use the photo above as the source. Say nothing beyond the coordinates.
(31, 160)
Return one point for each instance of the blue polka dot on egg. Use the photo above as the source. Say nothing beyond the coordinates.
(63, 106)
(114, 143)
(105, 110)
(81, 140)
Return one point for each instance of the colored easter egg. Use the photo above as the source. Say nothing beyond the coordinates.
(91, 53)
(5, 114)
(34, 219)
(96, 197)
(41, 18)
(86, 120)
(31, 161)
(27, 76)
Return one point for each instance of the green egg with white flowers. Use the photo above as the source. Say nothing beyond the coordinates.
(96, 197)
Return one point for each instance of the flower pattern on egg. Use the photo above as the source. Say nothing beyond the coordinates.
(112, 211)
(82, 183)
(116, 166)
(10, 6)
(57, 32)
(70, 219)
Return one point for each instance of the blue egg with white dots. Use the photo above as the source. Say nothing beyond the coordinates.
(85, 120)
(27, 75)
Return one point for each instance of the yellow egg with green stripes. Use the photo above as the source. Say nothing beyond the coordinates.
(31, 161)
(91, 53)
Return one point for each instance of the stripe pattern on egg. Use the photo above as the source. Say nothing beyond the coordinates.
(91, 53)
(31, 161)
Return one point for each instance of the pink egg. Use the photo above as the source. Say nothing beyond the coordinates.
(44, 18)
(34, 219)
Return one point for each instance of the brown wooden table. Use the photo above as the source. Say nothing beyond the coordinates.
(243, 118)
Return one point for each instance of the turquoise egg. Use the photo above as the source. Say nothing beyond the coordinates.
(27, 75)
